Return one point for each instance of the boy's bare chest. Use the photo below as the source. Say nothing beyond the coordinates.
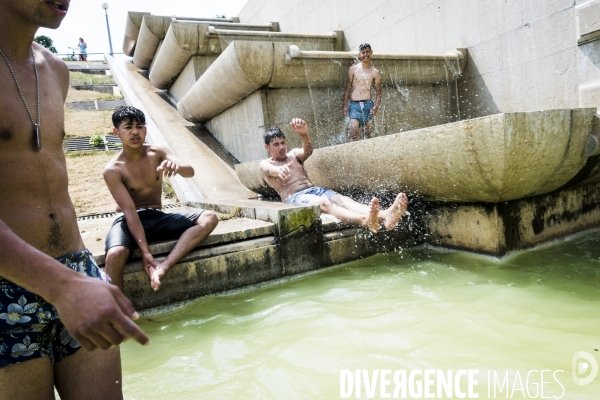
(141, 177)
(364, 76)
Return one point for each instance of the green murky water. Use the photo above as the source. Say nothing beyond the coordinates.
(412, 310)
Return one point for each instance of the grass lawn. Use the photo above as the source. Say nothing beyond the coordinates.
(86, 184)
(88, 95)
(80, 78)
(88, 122)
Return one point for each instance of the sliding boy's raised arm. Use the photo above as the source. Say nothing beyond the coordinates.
(300, 127)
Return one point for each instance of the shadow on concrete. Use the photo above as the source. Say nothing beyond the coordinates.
(163, 94)
(474, 98)
(591, 50)
(205, 137)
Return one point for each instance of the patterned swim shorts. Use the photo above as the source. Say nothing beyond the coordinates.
(305, 196)
(30, 327)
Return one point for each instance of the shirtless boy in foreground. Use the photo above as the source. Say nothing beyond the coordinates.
(134, 178)
(285, 173)
(53, 300)
(360, 79)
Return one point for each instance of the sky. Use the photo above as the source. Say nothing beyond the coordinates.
(86, 19)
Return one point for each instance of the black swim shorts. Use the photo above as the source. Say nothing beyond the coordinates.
(30, 327)
(157, 226)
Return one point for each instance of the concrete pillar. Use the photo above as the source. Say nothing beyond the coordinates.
(152, 31)
(239, 71)
(132, 29)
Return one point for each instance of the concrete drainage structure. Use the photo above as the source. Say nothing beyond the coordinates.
(494, 184)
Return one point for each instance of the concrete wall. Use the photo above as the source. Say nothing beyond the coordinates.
(190, 74)
(240, 128)
(524, 55)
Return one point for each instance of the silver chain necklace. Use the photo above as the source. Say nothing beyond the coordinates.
(37, 89)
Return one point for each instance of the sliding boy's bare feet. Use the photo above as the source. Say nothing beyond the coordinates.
(156, 274)
(392, 215)
(372, 221)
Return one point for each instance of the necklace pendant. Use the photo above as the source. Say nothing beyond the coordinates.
(38, 137)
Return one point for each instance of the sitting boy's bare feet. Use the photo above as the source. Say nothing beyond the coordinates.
(373, 217)
(392, 215)
(156, 274)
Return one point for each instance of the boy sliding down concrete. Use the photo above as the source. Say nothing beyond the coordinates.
(285, 173)
(134, 178)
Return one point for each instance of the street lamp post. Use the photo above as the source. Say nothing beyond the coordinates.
(105, 6)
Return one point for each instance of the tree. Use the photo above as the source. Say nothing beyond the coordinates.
(221, 16)
(46, 42)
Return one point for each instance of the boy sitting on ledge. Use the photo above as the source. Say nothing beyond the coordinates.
(285, 173)
(134, 178)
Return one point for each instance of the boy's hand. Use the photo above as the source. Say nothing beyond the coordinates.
(169, 168)
(299, 126)
(106, 318)
(148, 262)
(284, 171)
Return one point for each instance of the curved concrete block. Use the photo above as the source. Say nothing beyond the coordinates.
(181, 41)
(152, 31)
(132, 30)
(496, 158)
(241, 69)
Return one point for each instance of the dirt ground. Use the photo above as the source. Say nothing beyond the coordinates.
(88, 122)
(88, 95)
(86, 185)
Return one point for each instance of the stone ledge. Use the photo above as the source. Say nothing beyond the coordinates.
(93, 233)
(207, 252)
(500, 228)
(206, 271)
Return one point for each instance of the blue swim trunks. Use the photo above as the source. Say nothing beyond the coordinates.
(305, 196)
(361, 110)
(30, 327)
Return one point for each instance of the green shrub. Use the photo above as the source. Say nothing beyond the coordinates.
(97, 141)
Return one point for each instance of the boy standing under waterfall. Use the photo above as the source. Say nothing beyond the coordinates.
(361, 77)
